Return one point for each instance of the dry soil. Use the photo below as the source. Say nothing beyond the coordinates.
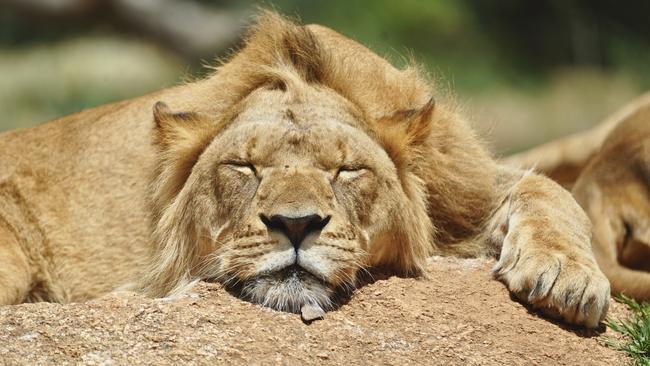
(458, 316)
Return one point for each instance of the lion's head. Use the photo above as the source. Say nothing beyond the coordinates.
(292, 190)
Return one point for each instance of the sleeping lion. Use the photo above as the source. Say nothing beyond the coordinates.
(299, 163)
(609, 170)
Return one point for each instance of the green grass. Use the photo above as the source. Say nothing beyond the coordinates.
(635, 330)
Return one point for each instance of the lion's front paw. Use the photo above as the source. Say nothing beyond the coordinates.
(565, 286)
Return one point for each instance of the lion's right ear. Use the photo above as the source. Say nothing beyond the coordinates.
(184, 130)
(181, 139)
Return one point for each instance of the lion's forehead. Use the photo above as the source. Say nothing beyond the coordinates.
(326, 141)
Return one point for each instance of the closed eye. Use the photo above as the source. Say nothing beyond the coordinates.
(241, 166)
(350, 171)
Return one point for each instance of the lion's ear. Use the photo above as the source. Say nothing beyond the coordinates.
(417, 122)
(161, 113)
(181, 139)
(184, 130)
(404, 132)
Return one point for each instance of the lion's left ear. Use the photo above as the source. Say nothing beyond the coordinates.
(404, 132)
(181, 138)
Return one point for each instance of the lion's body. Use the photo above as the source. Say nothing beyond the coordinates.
(73, 202)
(612, 183)
(301, 124)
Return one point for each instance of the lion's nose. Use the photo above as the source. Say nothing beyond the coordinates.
(295, 228)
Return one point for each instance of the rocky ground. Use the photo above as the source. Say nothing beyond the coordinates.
(459, 316)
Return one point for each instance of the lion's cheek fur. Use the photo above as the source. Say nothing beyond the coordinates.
(402, 229)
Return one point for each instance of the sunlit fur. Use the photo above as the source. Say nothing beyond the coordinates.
(300, 121)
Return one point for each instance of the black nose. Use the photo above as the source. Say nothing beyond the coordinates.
(295, 228)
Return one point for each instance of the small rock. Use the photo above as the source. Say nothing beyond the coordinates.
(311, 312)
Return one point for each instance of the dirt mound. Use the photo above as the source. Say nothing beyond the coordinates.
(457, 316)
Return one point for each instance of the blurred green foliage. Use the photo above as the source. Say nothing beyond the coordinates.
(45, 81)
(481, 43)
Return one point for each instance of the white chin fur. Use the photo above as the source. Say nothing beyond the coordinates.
(288, 290)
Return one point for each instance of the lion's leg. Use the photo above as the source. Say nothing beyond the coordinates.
(626, 281)
(546, 257)
(621, 235)
(15, 273)
(609, 234)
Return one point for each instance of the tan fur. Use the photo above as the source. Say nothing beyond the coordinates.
(613, 186)
(301, 122)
